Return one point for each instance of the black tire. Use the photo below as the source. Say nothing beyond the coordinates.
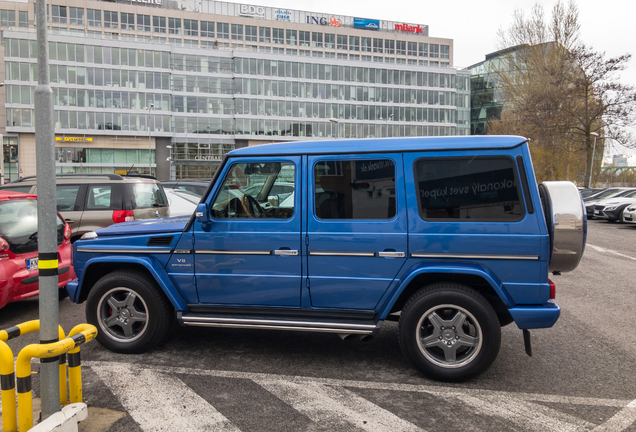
(143, 314)
(62, 294)
(464, 323)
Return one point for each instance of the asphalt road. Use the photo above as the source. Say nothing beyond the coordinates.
(581, 377)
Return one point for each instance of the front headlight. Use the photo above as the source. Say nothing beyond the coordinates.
(89, 236)
(610, 208)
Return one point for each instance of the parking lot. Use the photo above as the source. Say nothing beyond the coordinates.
(580, 377)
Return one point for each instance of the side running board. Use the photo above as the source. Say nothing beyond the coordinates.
(342, 328)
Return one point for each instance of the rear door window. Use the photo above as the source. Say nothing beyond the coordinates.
(355, 189)
(148, 195)
(67, 197)
(468, 189)
(104, 197)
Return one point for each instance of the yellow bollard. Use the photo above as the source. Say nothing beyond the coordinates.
(75, 364)
(7, 372)
(25, 398)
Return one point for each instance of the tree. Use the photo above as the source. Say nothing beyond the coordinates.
(559, 91)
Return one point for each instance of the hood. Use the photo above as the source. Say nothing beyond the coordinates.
(617, 200)
(146, 226)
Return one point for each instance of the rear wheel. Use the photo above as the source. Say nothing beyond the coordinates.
(449, 332)
(130, 311)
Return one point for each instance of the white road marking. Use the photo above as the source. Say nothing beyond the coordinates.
(600, 249)
(621, 420)
(160, 402)
(337, 408)
(328, 400)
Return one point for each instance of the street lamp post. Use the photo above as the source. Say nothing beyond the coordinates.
(589, 185)
(150, 141)
(336, 121)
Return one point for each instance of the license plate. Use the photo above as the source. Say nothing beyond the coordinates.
(597, 212)
(32, 263)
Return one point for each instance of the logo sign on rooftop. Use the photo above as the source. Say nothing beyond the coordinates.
(74, 139)
(284, 15)
(366, 23)
(252, 11)
(409, 28)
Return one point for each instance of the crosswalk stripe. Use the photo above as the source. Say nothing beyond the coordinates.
(337, 408)
(160, 402)
(153, 397)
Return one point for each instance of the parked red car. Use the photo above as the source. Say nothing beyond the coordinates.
(19, 247)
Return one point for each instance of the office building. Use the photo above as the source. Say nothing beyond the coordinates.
(169, 87)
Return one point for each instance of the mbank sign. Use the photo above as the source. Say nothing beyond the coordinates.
(409, 28)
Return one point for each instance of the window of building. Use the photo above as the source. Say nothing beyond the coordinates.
(412, 48)
(358, 189)
(434, 51)
(354, 43)
(207, 29)
(342, 42)
(190, 27)
(389, 47)
(94, 17)
(330, 41)
(223, 30)
(316, 40)
(400, 61)
(433, 63)
(378, 59)
(444, 51)
(237, 32)
(291, 51)
(278, 36)
(24, 18)
(58, 14)
(354, 56)
(378, 45)
(305, 53)
(316, 54)
(400, 48)
(422, 50)
(7, 18)
(330, 55)
(127, 21)
(277, 50)
(468, 190)
(265, 34)
(292, 37)
(159, 24)
(389, 60)
(304, 38)
(423, 63)
(110, 19)
(174, 26)
(365, 44)
(76, 15)
(342, 56)
(143, 23)
(251, 34)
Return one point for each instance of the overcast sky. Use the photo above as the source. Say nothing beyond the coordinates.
(607, 26)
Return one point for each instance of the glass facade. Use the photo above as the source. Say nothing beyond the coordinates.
(207, 86)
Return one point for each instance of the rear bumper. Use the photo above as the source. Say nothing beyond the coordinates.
(534, 317)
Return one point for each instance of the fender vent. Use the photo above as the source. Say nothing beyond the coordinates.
(160, 241)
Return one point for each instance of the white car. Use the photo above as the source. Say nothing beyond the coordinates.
(591, 203)
(629, 214)
(181, 202)
(611, 209)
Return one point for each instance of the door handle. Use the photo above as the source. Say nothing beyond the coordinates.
(286, 252)
(391, 254)
(69, 221)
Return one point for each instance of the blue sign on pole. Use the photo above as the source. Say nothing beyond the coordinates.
(366, 23)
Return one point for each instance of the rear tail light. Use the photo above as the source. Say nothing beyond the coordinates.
(67, 232)
(552, 289)
(4, 246)
(123, 216)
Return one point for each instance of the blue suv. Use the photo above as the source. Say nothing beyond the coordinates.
(451, 237)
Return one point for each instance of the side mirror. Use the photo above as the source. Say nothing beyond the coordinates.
(274, 200)
(202, 214)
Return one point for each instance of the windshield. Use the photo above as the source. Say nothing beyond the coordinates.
(148, 195)
(19, 225)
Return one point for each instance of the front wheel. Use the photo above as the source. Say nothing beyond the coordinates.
(130, 311)
(449, 332)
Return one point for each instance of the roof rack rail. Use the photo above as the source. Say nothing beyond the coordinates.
(109, 176)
